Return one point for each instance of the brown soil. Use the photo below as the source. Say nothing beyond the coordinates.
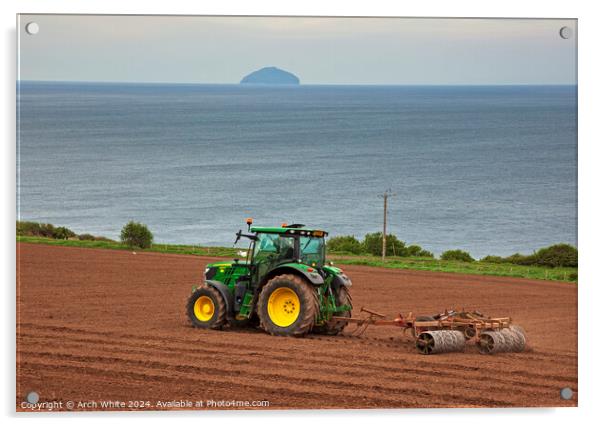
(97, 325)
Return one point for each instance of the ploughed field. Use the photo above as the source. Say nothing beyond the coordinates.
(104, 325)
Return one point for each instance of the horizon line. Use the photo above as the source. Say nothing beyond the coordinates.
(290, 85)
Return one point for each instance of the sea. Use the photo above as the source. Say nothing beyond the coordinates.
(486, 169)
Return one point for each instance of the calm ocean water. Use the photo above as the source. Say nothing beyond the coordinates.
(492, 170)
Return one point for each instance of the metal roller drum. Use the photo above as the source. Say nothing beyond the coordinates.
(521, 339)
(491, 342)
(510, 339)
(518, 329)
(440, 341)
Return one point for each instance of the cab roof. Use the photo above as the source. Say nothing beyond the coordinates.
(293, 230)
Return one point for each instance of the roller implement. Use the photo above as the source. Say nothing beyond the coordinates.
(285, 286)
(449, 331)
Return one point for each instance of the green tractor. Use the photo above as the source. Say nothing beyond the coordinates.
(284, 284)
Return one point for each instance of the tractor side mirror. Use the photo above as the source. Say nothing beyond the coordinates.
(238, 235)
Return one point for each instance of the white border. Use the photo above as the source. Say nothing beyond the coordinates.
(590, 162)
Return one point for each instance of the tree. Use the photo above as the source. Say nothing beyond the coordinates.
(417, 251)
(136, 234)
(62, 233)
(557, 255)
(344, 243)
(459, 255)
(373, 244)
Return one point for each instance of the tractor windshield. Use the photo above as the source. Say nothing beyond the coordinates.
(312, 250)
(274, 246)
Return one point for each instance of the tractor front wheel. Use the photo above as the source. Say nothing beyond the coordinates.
(287, 306)
(206, 308)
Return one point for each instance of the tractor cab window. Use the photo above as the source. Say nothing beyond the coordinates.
(273, 248)
(312, 251)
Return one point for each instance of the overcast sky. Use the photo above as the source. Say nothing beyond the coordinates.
(317, 50)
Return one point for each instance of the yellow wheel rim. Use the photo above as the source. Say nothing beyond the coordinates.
(283, 307)
(204, 308)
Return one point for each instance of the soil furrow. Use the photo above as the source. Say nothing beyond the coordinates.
(479, 379)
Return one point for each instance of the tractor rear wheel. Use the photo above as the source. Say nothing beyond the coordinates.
(206, 308)
(287, 306)
(332, 328)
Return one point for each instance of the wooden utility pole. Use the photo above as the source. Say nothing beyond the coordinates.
(385, 197)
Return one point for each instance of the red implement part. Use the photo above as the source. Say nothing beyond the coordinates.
(469, 323)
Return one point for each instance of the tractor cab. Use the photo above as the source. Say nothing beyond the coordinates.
(289, 243)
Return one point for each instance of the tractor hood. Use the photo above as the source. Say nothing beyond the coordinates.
(226, 264)
(221, 270)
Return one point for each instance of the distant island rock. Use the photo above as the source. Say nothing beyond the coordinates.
(270, 75)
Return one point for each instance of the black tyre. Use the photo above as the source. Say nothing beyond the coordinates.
(206, 308)
(287, 306)
(332, 328)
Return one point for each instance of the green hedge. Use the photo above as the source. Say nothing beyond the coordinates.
(457, 254)
(373, 244)
(47, 230)
(345, 243)
(557, 255)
